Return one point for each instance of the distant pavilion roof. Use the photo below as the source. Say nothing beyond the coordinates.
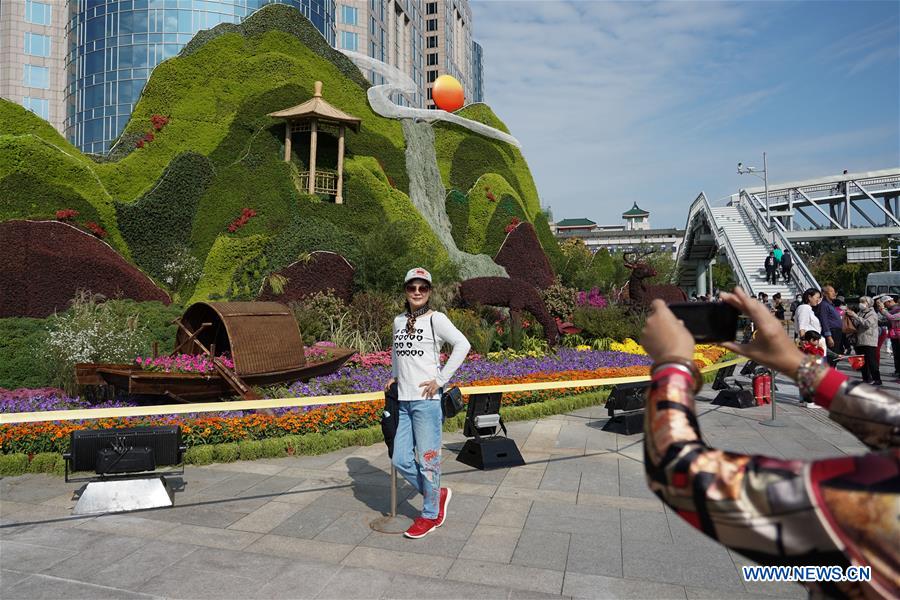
(576, 223)
(634, 211)
(317, 107)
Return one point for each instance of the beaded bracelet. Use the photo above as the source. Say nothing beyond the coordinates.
(809, 374)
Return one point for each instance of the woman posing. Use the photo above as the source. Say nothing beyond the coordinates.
(415, 365)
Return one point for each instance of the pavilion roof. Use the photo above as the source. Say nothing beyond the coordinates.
(317, 107)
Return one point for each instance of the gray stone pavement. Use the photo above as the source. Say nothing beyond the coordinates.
(576, 521)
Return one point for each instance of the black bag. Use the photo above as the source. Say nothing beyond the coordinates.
(390, 418)
(451, 402)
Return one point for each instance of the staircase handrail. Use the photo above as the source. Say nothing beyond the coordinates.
(756, 217)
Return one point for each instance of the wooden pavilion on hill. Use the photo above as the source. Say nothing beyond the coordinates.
(313, 116)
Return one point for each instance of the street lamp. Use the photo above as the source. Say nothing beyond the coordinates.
(742, 170)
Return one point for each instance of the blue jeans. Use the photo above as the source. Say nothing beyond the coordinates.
(417, 450)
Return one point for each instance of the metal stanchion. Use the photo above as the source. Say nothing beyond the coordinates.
(392, 523)
(772, 422)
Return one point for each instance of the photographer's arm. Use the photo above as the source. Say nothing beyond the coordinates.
(737, 499)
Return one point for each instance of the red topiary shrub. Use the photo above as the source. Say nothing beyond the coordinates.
(44, 263)
(323, 271)
(515, 294)
(523, 257)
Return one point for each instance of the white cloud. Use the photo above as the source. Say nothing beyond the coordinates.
(622, 101)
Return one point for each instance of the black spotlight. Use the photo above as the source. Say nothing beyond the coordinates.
(487, 450)
(625, 406)
(721, 374)
(125, 461)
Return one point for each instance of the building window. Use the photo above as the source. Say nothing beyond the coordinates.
(432, 41)
(37, 77)
(37, 12)
(431, 25)
(431, 8)
(429, 94)
(432, 59)
(372, 26)
(39, 106)
(349, 15)
(349, 40)
(432, 75)
(37, 44)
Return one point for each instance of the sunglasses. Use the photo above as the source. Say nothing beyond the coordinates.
(411, 288)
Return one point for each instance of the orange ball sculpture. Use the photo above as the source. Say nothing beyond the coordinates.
(447, 93)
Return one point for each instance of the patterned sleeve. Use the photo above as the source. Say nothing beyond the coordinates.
(754, 504)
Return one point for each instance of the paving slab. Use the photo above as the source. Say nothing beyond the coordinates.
(575, 521)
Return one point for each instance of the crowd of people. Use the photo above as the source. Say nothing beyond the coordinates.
(824, 324)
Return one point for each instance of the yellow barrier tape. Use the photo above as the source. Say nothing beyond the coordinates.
(201, 407)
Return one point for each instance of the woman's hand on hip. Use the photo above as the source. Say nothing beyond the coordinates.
(390, 382)
(430, 388)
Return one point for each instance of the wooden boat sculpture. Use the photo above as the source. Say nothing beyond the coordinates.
(262, 338)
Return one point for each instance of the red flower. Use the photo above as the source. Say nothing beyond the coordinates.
(66, 214)
(491, 197)
(245, 216)
(149, 137)
(139, 143)
(158, 121)
(513, 224)
(96, 229)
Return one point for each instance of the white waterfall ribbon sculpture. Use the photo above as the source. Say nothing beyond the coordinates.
(400, 82)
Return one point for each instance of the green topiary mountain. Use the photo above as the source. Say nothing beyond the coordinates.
(178, 188)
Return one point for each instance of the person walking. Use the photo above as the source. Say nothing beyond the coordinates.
(415, 366)
(831, 321)
(787, 263)
(866, 322)
(891, 312)
(770, 266)
(776, 251)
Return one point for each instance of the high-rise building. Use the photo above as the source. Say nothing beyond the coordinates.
(32, 56)
(82, 64)
(115, 44)
(477, 72)
(389, 31)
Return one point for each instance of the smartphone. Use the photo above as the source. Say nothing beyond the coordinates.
(709, 322)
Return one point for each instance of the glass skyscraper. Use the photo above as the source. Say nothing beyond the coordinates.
(114, 44)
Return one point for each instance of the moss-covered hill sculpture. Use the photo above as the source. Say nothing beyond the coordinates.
(199, 149)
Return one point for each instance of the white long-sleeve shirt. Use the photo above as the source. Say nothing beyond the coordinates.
(415, 359)
(807, 320)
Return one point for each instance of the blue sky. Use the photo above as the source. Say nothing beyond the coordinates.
(654, 102)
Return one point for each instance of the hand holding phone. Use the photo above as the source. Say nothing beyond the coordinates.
(708, 322)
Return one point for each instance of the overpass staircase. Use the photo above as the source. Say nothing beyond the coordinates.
(739, 232)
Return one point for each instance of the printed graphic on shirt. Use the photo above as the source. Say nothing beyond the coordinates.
(403, 343)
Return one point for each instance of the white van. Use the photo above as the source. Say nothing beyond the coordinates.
(885, 282)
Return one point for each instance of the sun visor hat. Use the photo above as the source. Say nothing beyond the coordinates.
(417, 273)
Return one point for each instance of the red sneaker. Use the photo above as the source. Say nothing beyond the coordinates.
(446, 494)
(420, 528)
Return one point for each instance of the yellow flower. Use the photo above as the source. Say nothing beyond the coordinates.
(582, 347)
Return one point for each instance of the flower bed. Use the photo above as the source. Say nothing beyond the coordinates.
(368, 375)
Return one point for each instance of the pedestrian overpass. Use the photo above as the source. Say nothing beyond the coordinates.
(848, 206)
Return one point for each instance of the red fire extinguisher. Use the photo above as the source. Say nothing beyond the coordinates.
(762, 387)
